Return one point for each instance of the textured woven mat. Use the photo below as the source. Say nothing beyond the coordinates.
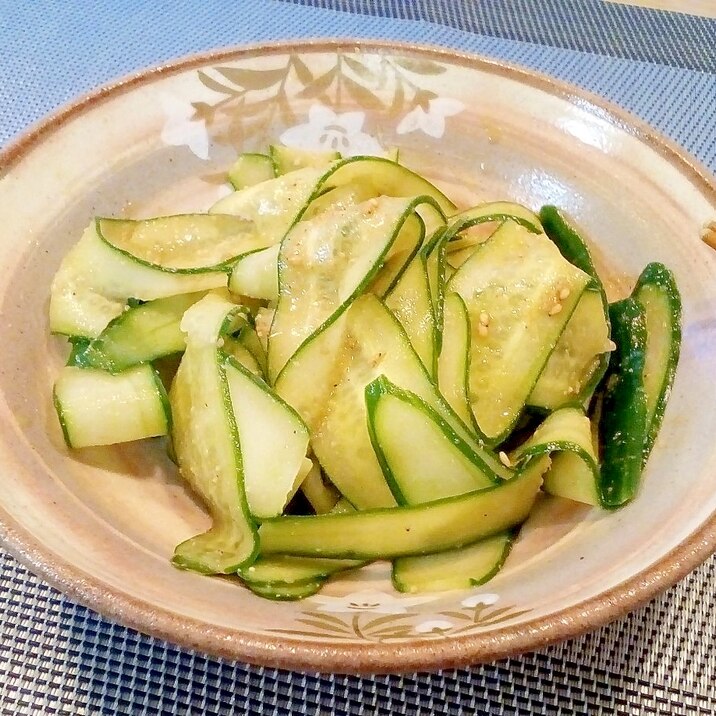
(59, 658)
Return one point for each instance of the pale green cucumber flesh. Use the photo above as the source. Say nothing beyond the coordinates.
(566, 435)
(385, 178)
(242, 355)
(325, 263)
(581, 352)
(461, 568)
(289, 159)
(496, 211)
(320, 493)
(411, 302)
(140, 334)
(256, 274)
(273, 441)
(185, 243)
(421, 456)
(283, 569)
(95, 280)
(250, 169)
(250, 339)
(658, 295)
(395, 532)
(99, 408)
(454, 358)
(286, 592)
(206, 444)
(519, 292)
(326, 384)
(272, 206)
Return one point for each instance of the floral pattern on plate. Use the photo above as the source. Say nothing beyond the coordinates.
(236, 104)
(353, 617)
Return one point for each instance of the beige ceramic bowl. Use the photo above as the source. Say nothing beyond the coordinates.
(102, 523)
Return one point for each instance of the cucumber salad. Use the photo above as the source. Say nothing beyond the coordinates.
(348, 368)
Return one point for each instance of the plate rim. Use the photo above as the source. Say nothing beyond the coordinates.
(361, 658)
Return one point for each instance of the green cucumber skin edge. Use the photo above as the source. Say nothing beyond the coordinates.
(658, 275)
(500, 562)
(574, 248)
(622, 426)
(267, 157)
(570, 244)
(229, 324)
(382, 386)
(287, 522)
(467, 223)
(164, 398)
(223, 267)
(366, 281)
(292, 593)
(61, 418)
(511, 535)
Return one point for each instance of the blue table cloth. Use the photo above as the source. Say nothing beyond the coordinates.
(57, 657)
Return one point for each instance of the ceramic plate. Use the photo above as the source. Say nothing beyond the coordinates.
(101, 524)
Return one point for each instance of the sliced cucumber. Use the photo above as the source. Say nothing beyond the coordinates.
(461, 568)
(272, 206)
(250, 169)
(384, 177)
(256, 274)
(187, 243)
(578, 360)
(326, 384)
(289, 159)
(566, 435)
(325, 263)
(460, 246)
(421, 456)
(286, 592)
(658, 295)
(623, 426)
(273, 441)
(283, 570)
(140, 334)
(241, 354)
(400, 531)
(206, 443)
(454, 358)
(579, 345)
(251, 341)
(410, 300)
(424, 460)
(570, 244)
(321, 494)
(339, 197)
(95, 280)
(519, 292)
(97, 408)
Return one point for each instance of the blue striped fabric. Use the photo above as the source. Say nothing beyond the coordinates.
(596, 26)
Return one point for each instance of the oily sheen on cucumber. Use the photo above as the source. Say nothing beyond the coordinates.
(519, 292)
(395, 532)
(212, 464)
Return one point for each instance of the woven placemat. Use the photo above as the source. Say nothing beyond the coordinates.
(57, 657)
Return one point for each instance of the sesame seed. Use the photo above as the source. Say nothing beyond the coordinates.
(564, 293)
(555, 309)
(504, 459)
